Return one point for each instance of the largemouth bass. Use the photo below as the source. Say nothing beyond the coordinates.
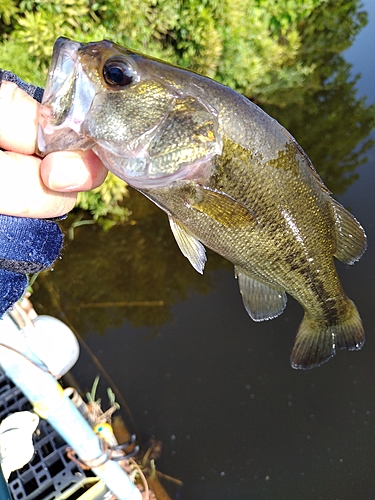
(228, 176)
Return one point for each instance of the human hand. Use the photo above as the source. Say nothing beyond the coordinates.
(30, 186)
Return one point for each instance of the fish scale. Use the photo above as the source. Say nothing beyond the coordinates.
(252, 252)
(228, 176)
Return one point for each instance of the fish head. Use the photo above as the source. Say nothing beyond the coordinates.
(134, 112)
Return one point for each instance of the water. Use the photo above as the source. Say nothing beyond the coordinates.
(235, 420)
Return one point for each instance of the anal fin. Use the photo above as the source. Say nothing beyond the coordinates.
(261, 301)
(189, 245)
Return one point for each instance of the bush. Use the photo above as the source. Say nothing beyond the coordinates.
(277, 53)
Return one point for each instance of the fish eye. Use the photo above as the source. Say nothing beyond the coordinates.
(118, 72)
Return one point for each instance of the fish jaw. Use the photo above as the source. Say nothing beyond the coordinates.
(134, 171)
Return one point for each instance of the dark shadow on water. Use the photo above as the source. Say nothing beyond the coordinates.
(235, 420)
(135, 271)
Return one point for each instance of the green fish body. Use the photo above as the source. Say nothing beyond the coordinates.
(228, 175)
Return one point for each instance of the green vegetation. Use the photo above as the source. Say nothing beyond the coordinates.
(104, 201)
(280, 54)
(258, 47)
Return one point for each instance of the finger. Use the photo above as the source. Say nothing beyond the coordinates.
(18, 119)
(23, 193)
(72, 171)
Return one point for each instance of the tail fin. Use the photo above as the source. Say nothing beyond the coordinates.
(317, 341)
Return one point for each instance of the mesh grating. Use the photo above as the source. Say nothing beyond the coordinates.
(50, 475)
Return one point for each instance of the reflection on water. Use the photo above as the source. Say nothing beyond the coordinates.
(235, 420)
(137, 263)
(330, 121)
(333, 127)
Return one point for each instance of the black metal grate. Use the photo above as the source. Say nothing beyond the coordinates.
(50, 473)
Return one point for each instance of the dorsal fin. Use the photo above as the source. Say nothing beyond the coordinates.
(261, 301)
(350, 236)
(309, 163)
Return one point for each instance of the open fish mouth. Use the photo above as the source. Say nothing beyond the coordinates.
(64, 58)
(67, 100)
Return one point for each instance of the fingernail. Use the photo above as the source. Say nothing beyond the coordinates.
(67, 175)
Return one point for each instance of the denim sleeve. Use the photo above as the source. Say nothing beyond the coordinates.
(27, 245)
(32, 90)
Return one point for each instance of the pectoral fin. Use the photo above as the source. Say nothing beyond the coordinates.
(261, 301)
(191, 248)
(350, 236)
(223, 208)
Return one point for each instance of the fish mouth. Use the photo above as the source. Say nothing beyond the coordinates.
(64, 57)
(67, 100)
